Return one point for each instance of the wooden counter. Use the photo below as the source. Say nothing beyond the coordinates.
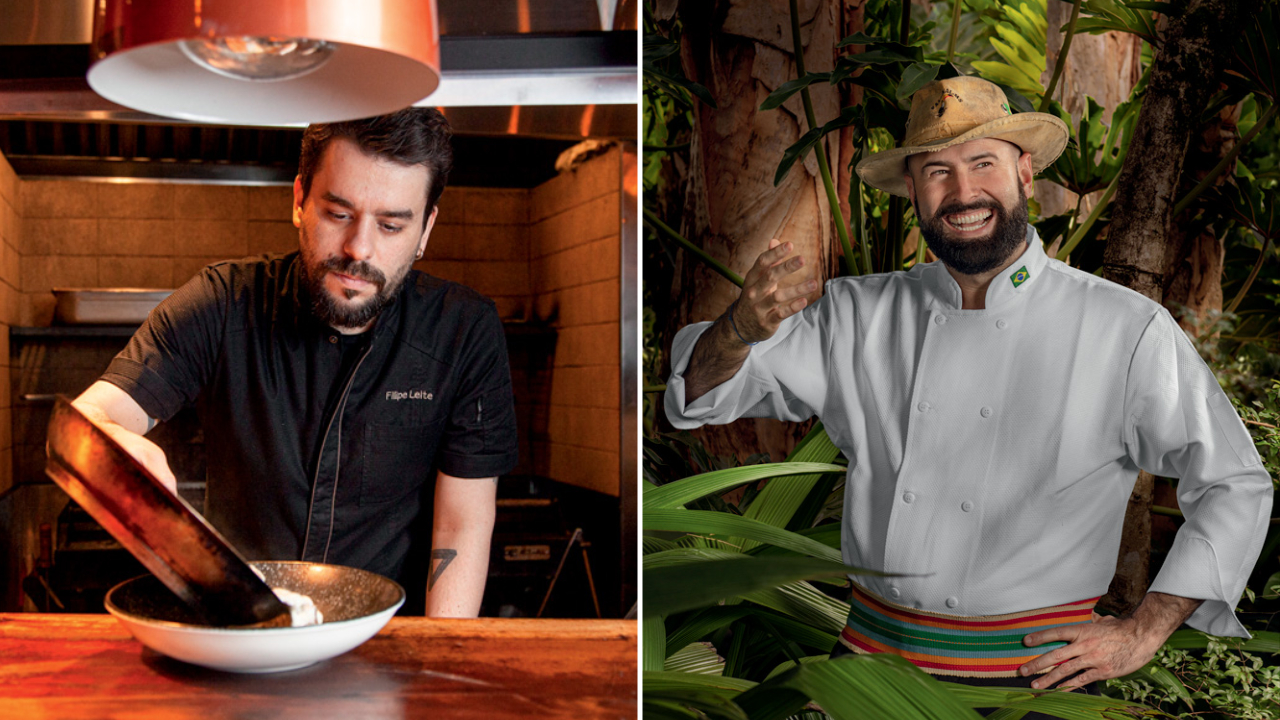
(88, 666)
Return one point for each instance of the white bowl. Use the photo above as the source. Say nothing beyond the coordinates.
(356, 604)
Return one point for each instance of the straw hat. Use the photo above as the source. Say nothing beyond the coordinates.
(956, 110)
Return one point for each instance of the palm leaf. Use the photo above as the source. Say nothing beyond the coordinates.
(805, 604)
(659, 682)
(699, 658)
(1058, 703)
(855, 687)
(778, 502)
(654, 647)
(1263, 641)
(689, 585)
(676, 494)
(709, 523)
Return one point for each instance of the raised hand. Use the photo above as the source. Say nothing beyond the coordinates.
(764, 303)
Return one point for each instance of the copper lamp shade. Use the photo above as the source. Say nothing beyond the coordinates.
(265, 62)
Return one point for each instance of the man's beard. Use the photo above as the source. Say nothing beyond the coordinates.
(346, 315)
(979, 255)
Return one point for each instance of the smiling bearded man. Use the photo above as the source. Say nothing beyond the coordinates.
(995, 408)
(980, 255)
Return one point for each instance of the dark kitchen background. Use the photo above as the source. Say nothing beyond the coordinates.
(539, 216)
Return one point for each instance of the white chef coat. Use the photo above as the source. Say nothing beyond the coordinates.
(992, 452)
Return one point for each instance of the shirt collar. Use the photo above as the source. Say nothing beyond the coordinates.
(1012, 283)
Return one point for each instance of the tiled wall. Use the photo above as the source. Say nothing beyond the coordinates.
(143, 235)
(481, 239)
(574, 226)
(10, 232)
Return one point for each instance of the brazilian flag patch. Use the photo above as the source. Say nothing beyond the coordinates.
(1020, 276)
(1007, 111)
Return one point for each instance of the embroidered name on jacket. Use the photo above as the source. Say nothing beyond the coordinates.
(398, 395)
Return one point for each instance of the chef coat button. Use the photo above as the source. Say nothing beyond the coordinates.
(333, 339)
(908, 498)
(1002, 324)
(986, 412)
(966, 506)
(940, 319)
(952, 602)
(895, 593)
(923, 407)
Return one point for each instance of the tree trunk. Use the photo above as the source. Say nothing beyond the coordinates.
(1194, 257)
(1186, 72)
(741, 50)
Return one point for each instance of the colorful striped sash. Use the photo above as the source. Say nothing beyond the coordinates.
(953, 645)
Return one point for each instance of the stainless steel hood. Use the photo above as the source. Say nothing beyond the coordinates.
(494, 53)
(521, 80)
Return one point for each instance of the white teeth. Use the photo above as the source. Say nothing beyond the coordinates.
(971, 219)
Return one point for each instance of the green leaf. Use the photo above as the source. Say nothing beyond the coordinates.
(699, 658)
(1008, 714)
(855, 687)
(828, 534)
(788, 664)
(791, 87)
(670, 80)
(777, 503)
(916, 76)
(652, 544)
(658, 682)
(654, 649)
(1263, 641)
(1001, 73)
(1160, 676)
(848, 116)
(860, 38)
(884, 54)
(676, 494)
(1271, 587)
(797, 150)
(805, 604)
(690, 705)
(703, 522)
(657, 47)
(701, 623)
(1057, 703)
(691, 585)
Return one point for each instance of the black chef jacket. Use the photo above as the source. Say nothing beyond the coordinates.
(312, 457)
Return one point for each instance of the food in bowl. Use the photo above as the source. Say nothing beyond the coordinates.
(355, 603)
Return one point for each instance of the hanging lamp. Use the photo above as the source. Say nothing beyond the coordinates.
(265, 62)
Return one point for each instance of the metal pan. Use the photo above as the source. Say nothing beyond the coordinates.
(159, 528)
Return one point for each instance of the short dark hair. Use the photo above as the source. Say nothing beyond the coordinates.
(413, 136)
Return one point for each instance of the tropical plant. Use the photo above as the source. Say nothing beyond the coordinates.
(1223, 680)
(736, 625)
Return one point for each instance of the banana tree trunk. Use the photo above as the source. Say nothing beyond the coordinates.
(741, 51)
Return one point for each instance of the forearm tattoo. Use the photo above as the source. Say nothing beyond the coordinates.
(445, 556)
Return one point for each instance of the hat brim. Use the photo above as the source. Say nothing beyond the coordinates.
(1041, 134)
